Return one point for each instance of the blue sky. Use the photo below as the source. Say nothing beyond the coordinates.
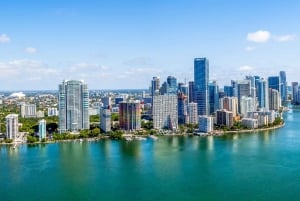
(119, 44)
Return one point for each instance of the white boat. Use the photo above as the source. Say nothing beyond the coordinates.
(140, 138)
(153, 137)
(128, 138)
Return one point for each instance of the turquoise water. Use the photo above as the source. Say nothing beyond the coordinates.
(257, 166)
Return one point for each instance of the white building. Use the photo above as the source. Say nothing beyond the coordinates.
(206, 124)
(250, 123)
(52, 111)
(105, 118)
(274, 99)
(247, 105)
(229, 104)
(12, 124)
(192, 113)
(164, 112)
(42, 129)
(28, 110)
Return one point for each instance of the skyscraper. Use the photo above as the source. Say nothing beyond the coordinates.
(213, 94)
(42, 129)
(73, 106)
(155, 84)
(12, 127)
(201, 78)
(172, 85)
(105, 118)
(130, 115)
(263, 94)
(283, 86)
(191, 91)
(182, 108)
(274, 82)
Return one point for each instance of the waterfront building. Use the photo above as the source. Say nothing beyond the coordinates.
(164, 112)
(42, 129)
(224, 118)
(182, 108)
(283, 86)
(229, 104)
(201, 78)
(206, 124)
(12, 126)
(191, 92)
(274, 99)
(295, 93)
(130, 115)
(105, 118)
(28, 110)
(252, 85)
(213, 94)
(106, 101)
(52, 111)
(247, 105)
(192, 111)
(73, 106)
(250, 123)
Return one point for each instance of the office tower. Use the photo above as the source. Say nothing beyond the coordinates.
(192, 111)
(119, 100)
(274, 99)
(263, 94)
(201, 78)
(228, 91)
(106, 101)
(247, 105)
(130, 115)
(155, 84)
(73, 106)
(182, 108)
(42, 129)
(52, 111)
(184, 89)
(28, 110)
(229, 104)
(252, 85)
(12, 126)
(243, 89)
(191, 92)
(274, 82)
(206, 124)
(213, 97)
(224, 118)
(283, 86)
(295, 94)
(105, 118)
(172, 85)
(164, 112)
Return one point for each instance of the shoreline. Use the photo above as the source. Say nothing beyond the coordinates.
(214, 133)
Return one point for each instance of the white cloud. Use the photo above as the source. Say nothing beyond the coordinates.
(260, 36)
(285, 38)
(245, 68)
(30, 50)
(249, 48)
(4, 38)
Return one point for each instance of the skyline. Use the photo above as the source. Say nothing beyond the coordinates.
(119, 45)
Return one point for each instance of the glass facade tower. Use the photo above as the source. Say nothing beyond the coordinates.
(201, 78)
(73, 106)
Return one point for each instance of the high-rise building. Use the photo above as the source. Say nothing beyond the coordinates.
(105, 118)
(243, 89)
(206, 124)
(263, 94)
(224, 118)
(12, 126)
(201, 78)
(228, 90)
(28, 110)
(183, 88)
(274, 82)
(106, 101)
(295, 93)
(52, 111)
(130, 115)
(247, 105)
(42, 129)
(229, 104)
(274, 99)
(213, 94)
(172, 85)
(191, 92)
(283, 86)
(73, 106)
(192, 111)
(164, 112)
(155, 84)
(182, 108)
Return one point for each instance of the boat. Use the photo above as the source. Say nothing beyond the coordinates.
(128, 138)
(140, 138)
(153, 137)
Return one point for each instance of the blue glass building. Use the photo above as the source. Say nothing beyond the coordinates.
(213, 91)
(283, 86)
(201, 78)
(274, 82)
